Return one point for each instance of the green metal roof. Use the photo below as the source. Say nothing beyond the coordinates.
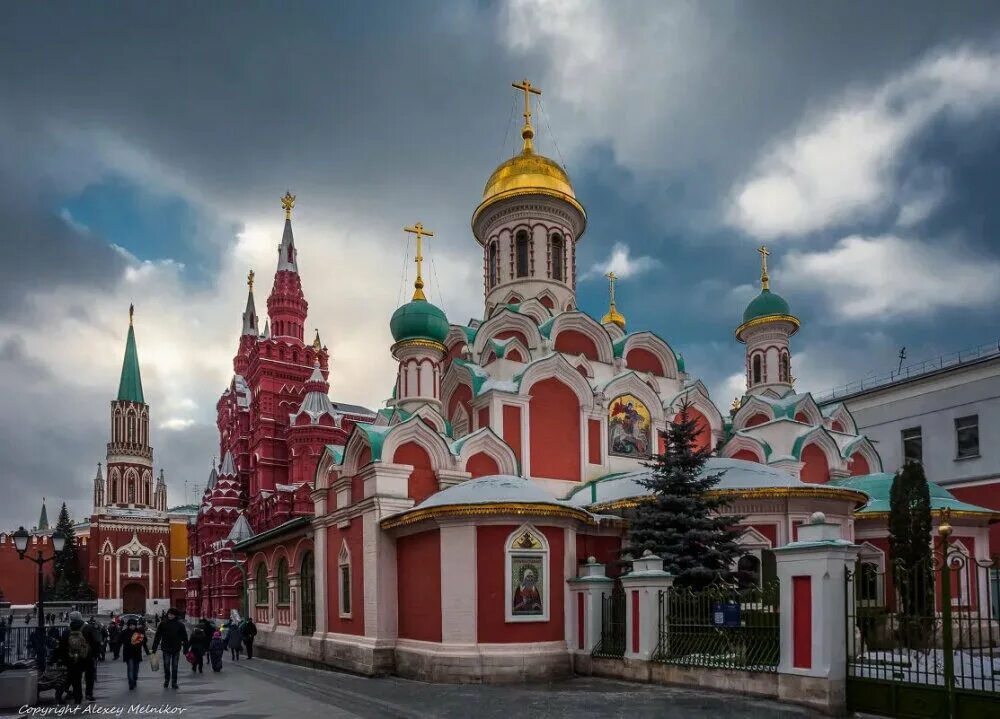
(878, 486)
(419, 319)
(130, 386)
(765, 304)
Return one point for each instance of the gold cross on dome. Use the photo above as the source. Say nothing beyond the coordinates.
(287, 203)
(421, 233)
(764, 252)
(527, 133)
(250, 280)
(611, 281)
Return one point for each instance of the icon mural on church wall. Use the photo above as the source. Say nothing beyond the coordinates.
(528, 583)
(628, 427)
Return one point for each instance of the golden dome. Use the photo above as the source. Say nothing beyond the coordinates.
(528, 173)
(614, 316)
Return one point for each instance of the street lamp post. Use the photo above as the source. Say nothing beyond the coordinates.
(21, 537)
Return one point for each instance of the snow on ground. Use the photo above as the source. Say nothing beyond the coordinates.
(972, 670)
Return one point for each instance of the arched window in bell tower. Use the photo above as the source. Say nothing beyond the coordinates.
(521, 251)
(756, 369)
(494, 265)
(556, 248)
(784, 368)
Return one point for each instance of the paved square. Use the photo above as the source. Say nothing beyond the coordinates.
(262, 689)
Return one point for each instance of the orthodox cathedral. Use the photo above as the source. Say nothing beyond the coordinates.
(435, 538)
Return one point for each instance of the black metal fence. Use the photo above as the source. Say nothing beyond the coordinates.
(722, 626)
(18, 644)
(612, 642)
(924, 642)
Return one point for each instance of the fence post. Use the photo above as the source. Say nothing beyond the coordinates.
(586, 591)
(642, 605)
(813, 626)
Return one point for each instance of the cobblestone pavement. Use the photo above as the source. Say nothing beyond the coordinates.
(260, 689)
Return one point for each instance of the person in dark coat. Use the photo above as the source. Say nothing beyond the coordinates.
(76, 652)
(199, 647)
(234, 639)
(215, 651)
(133, 645)
(249, 634)
(115, 639)
(173, 636)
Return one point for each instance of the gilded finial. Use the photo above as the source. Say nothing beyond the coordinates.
(317, 345)
(944, 529)
(613, 314)
(764, 280)
(250, 277)
(527, 132)
(420, 232)
(735, 406)
(287, 203)
(131, 312)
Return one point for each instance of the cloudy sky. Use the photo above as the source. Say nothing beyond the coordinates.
(143, 148)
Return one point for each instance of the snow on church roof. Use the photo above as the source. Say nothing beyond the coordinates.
(488, 492)
(737, 475)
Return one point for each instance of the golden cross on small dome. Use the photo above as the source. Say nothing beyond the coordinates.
(527, 133)
(421, 233)
(250, 280)
(611, 281)
(287, 203)
(764, 252)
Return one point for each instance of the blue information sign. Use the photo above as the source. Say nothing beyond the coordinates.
(726, 614)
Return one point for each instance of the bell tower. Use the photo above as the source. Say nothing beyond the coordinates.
(528, 224)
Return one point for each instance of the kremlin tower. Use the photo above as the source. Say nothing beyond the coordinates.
(137, 546)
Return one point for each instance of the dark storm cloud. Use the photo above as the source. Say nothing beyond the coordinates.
(394, 110)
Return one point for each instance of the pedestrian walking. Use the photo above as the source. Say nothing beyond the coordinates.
(199, 648)
(115, 639)
(216, 649)
(172, 635)
(74, 654)
(234, 639)
(134, 644)
(249, 634)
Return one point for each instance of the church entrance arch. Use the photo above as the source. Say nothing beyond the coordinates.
(134, 598)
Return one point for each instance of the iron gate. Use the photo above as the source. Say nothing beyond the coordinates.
(924, 644)
(723, 626)
(612, 642)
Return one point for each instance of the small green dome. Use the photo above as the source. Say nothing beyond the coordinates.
(419, 319)
(765, 304)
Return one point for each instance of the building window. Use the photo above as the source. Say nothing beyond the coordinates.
(521, 250)
(756, 369)
(261, 584)
(913, 445)
(344, 580)
(135, 566)
(784, 369)
(748, 571)
(868, 581)
(527, 580)
(557, 257)
(967, 436)
(284, 593)
(494, 265)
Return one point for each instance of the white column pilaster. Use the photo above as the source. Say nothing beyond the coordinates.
(586, 592)
(642, 605)
(458, 584)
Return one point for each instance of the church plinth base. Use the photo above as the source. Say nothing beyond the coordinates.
(341, 652)
(482, 663)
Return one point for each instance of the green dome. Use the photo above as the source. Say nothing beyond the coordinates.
(419, 319)
(765, 304)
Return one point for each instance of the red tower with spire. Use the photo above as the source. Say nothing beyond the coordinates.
(274, 421)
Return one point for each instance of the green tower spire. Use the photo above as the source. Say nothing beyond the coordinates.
(130, 387)
(43, 519)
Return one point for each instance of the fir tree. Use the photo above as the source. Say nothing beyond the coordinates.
(66, 565)
(911, 551)
(681, 523)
